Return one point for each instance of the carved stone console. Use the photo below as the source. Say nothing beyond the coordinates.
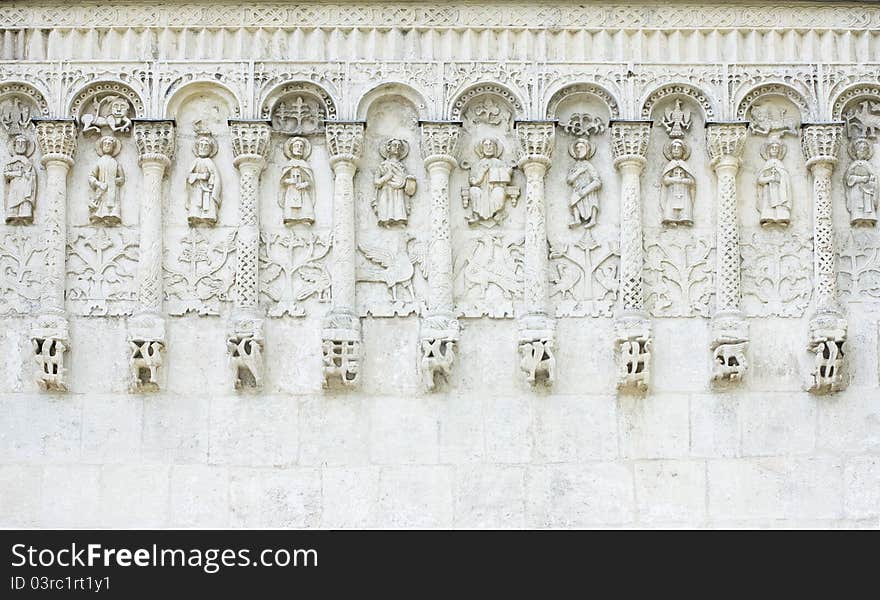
(821, 143)
(632, 327)
(57, 141)
(146, 328)
(341, 335)
(730, 331)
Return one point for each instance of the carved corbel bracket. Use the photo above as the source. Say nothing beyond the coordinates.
(730, 341)
(633, 340)
(50, 338)
(537, 346)
(827, 336)
(146, 342)
(438, 338)
(244, 342)
(341, 349)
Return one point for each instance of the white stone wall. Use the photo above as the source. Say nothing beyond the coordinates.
(485, 448)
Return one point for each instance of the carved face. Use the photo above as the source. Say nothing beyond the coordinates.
(108, 145)
(862, 150)
(119, 109)
(297, 147)
(489, 148)
(774, 150)
(204, 147)
(676, 151)
(580, 149)
(395, 148)
(20, 145)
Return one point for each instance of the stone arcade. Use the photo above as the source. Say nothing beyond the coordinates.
(426, 207)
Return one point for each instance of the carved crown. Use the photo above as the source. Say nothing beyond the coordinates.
(820, 142)
(57, 139)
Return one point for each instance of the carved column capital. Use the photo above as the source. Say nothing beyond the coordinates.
(155, 141)
(536, 141)
(57, 139)
(820, 143)
(250, 141)
(629, 142)
(440, 142)
(726, 141)
(345, 141)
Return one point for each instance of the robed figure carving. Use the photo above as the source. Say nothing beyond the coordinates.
(21, 182)
(585, 184)
(297, 183)
(394, 186)
(861, 184)
(679, 183)
(489, 184)
(105, 181)
(774, 186)
(203, 180)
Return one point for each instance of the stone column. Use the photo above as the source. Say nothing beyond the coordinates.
(820, 143)
(632, 328)
(146, 328)
(49, 336)
(536, 328)
(730, 331)
(439, 328)
(250, 147)
(341, 335)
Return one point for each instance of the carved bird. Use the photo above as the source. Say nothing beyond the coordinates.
(567, 276)
(394, 268)
(317, 281)
(490, 265)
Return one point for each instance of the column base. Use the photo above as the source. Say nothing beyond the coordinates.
(146, 343)
(438, 337)
(50, 338)
(341, 349)
(633, 339)
(730, 342)
(244, 342)
(537, 345)
(827, 335)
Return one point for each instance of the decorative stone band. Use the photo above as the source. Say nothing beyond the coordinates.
(629, 141)
(345, 140)
(440, 141)
(726, 140)
(250, 140)
(154, 139)
(821, 142)
(536, 140)
(57, 139)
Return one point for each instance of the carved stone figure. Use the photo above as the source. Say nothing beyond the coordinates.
(146, 358)
(394, 186)
(585, 184)
(489, 184)
(15, 115)
(679, 185)
(394, 268)
(537, 361)
(297, 183)
(105, 180)
(770, 120)
(245, 355)
(861, 184)
(676, 121)
(21, 182)
(203, 198)
(774, 186)
(438, 354)
(864, 121)
(109, 111)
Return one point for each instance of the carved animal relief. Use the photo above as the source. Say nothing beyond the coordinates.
(101, 266)
(584, 276)
(389, 269)
(488, 276)
(109, 111)
(293, 270)
(199, 272)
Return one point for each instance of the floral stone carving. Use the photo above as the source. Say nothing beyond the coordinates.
(776, 275)
(679, 275)
(584, 276)
(200, 274)
(293, 270)
(859, 267)
(101, 267)
(21, 276)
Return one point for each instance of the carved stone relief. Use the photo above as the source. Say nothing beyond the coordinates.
(298, 194)
(585, 183)
(859, 267)
(199, 272)
(204, 183)
(20, 176)
(490, 185)
(101, 268)
(388, 272)
(488, 275)
(106, 179)
(776, 274)
(110, 111)
(293, 271)
(860, 179)
(679, 275)
(21, 272)
(584, 276)
(395, 187)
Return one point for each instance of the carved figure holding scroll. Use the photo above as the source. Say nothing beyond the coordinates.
(679, 183)
(297, 183)
(585, 184)
(489, 184)
(774, 186)
(394, 186)
(203, 199)
(21, 182)
(105, 180)
(861, 184)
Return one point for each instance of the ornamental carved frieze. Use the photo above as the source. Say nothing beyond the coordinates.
(777, 274)
(199, 271)
(679, 275)
(294, 272)
(101, 269)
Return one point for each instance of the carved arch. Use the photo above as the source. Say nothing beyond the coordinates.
(392, 88)
(777, 89)
(460, 100)
(564, 91)
(271, 97)
(857, 91)
(175, 100)
(79, 101)
(19, 88)
(682, 90)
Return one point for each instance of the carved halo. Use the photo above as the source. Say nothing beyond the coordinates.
(766, 146)
(207, 136)
(117, 145)
(667, 149)
(288, 147)
(29, 148)
(385, 147)
(478, 147)
(589, 152)
(854, 146)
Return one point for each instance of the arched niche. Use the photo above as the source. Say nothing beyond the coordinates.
(681, 91)
(19, 103)
(770, 91)
(298, 108)
(96, 100)
(586, 91)
(392, 89)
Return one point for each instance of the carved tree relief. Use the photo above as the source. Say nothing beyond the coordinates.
(293, 270)
(200, 274)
